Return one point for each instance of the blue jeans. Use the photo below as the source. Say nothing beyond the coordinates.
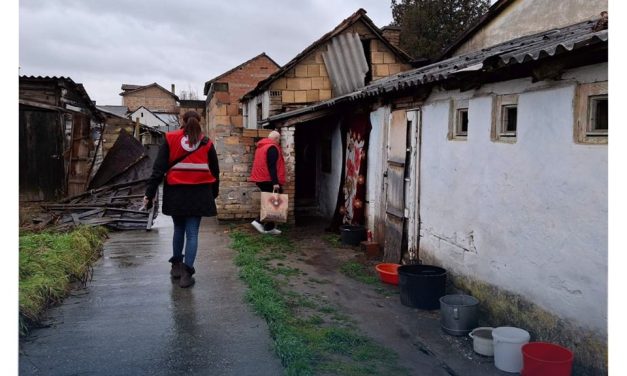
(185, 228)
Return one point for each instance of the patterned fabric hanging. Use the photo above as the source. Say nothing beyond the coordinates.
(351, 200)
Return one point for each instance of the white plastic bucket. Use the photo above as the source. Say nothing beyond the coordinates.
(508, 342)
(482, 340)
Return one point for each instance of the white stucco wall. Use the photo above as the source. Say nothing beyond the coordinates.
(529, 217)
(526, 17)
(329, 183)
(148, 118)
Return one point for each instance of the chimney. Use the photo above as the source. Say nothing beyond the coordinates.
(392, 34)
(173, 90)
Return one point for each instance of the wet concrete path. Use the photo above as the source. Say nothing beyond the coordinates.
(131, 319)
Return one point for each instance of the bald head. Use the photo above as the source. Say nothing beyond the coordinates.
(275, 136)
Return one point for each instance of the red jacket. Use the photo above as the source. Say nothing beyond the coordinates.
(194, 169)
(260, 172)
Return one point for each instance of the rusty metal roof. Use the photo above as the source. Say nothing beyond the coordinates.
(128, 89)
(68, 81)
(517, 51)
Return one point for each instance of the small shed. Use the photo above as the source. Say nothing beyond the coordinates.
(56, 122)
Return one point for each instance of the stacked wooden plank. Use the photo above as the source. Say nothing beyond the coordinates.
(115, 195)
(118, 207)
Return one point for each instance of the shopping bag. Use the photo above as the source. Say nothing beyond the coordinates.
(273, 207)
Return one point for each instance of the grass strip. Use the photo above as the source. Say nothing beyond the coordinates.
(49, 263)
(308, 338)
(359, 272)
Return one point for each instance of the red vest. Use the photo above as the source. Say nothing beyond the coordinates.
(260, 172)
(194, 169)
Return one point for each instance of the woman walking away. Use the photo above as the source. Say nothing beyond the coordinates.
(189, 162)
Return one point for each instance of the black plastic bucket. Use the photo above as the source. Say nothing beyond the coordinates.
(421, 286)
(352, 235)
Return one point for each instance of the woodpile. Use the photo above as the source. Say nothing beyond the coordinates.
(115, 195)
(119, 207)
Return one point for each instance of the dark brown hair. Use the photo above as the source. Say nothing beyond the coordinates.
(191, 126)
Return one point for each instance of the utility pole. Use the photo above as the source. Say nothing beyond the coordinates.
(137, 128)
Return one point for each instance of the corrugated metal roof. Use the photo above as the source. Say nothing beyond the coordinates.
(517, 51)
(120, 111)
(172, 120)
(68, 81)
(346, 63)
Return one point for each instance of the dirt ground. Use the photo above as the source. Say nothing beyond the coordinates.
(27, 212)
(414, 334)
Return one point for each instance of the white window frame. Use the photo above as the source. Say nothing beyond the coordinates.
(585, 95)
(499, 133)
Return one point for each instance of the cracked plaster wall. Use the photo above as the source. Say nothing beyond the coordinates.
(529, 217)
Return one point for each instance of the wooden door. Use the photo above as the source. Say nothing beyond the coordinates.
(395, 192)
(80, 158)
(412, 185)
(42, 175)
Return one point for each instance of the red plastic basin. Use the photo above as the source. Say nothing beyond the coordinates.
(388, 273)
(546, 359)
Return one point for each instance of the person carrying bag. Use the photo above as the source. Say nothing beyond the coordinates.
(268, 172)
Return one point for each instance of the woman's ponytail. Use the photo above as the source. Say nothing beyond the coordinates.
(191, 126)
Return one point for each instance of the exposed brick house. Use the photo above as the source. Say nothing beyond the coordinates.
(353, 54)
(350, 56)
(154, 97)
(235, 146)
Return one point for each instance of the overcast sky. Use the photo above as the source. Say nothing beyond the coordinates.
(103, 44)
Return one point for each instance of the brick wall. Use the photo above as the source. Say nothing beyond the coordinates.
(198, 108)
(289, 154)
(244, 79)
(152, 98)
(384, 61)
(307, 82)
(238, 199)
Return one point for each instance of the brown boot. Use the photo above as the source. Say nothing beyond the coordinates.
(175, 272)
(186, 276)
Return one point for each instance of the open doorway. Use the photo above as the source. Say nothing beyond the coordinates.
(317, 150)
(306, 141)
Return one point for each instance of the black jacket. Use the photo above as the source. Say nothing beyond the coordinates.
(184, 199)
